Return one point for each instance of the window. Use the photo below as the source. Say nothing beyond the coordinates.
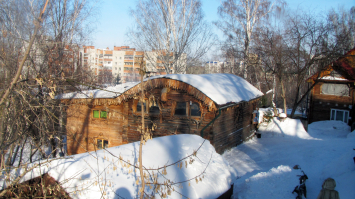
(335, 89)
(180, 108)
(96, 114)
(103, 114)
(339, 115)
(154, 109)
(139, 107)
(128, 57)
(102, 144)
(99, 114)
(195, 109)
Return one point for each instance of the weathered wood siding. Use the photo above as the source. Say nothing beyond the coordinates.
(233, 126)
(83, 129)
(123, 121)
(321, 104)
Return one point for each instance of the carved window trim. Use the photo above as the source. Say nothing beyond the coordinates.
(199, 109)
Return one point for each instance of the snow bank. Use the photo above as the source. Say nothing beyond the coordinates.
(329, 128)
(264, 166)
(90, 175)
(289, 128)
(266, 184)
(221, 88)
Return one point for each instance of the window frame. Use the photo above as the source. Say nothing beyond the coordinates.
(326, 84)
(102, 143)
(139, 104)
(344, 115)
(199, 109)
(186, 110)
(99, 114)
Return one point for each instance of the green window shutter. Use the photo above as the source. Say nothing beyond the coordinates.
(96, 114)
(103, 114)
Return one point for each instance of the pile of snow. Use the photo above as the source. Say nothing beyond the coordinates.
(91, 175)
(264, 166)
(221, 88)
(328, 129)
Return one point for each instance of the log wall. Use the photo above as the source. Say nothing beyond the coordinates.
(321, 105)
(123, 121)
(234, 126)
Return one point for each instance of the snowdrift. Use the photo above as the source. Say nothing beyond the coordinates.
(100, 173)
(264, 166)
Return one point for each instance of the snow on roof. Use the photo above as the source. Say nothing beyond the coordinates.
(84, 176)
(333, 78)
(221, 88)
(109, 92)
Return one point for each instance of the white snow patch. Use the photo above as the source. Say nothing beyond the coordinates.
(83, 175)
(263, 166)
(333, 78)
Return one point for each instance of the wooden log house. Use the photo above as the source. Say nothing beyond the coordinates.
(332, 97)
(219, 107)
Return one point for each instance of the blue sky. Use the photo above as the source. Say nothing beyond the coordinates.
(114, 17)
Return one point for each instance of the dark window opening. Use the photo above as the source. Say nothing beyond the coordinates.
(195, 109)
(139, 107)
(102, 144)
(154, 108)
(180, 108)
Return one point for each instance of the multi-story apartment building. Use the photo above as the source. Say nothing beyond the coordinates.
(159, 61)
(125, 62)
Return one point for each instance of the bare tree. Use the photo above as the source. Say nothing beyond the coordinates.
(295, 48)
(173, 31)
(29, 117)
(238, 21)
(342, 24)
(272, 51)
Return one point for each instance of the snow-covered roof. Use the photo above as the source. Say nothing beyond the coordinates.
(333, 78)
(109, 92)
(221, 88)
(90, 175)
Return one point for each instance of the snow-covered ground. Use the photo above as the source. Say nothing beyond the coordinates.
(264, 166)
(101, 174)
(260, 168)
